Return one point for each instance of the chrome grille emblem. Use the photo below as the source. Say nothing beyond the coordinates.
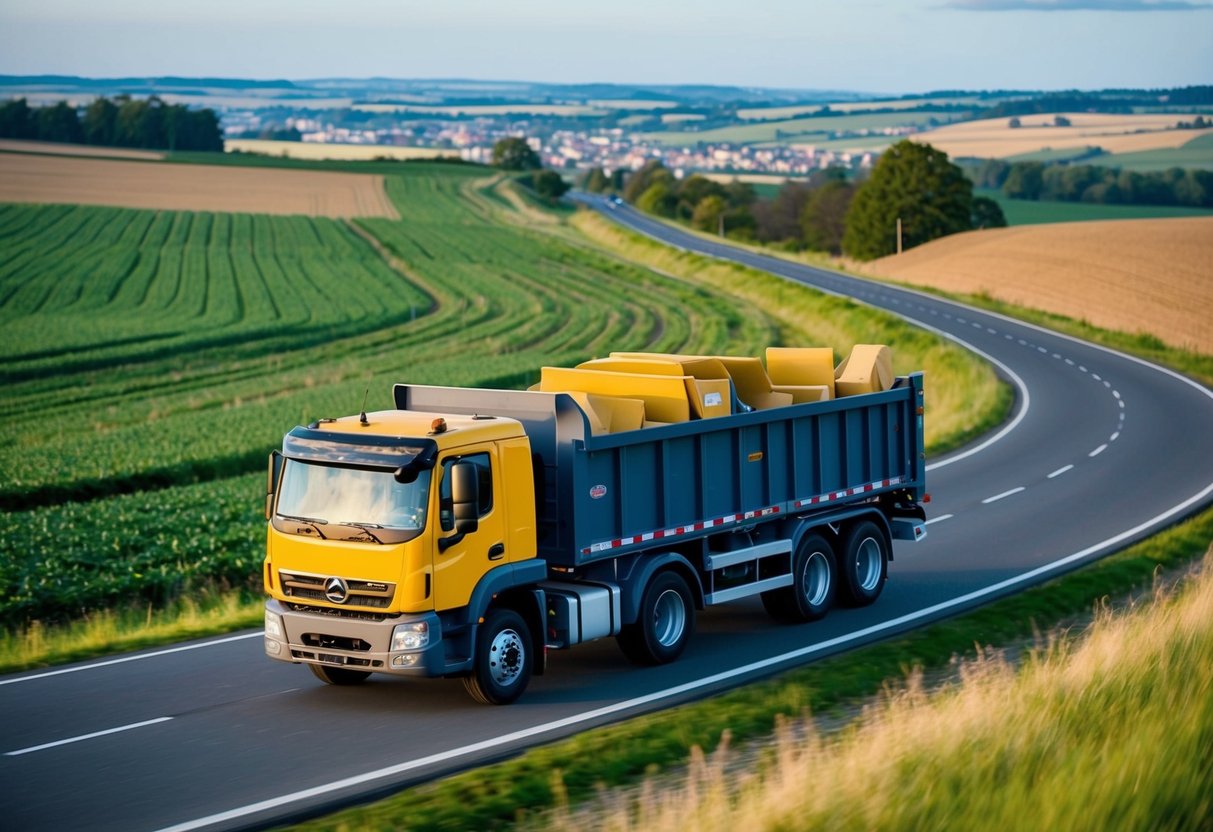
(336, 590)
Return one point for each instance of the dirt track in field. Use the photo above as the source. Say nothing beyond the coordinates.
(1153, 276)
(134, 184)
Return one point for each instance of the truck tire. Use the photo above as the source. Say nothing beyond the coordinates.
(501, 668)
(665, 622)
(339, 675)
(865, 564)
(814, 578)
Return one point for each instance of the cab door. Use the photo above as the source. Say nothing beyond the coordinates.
(466, 556)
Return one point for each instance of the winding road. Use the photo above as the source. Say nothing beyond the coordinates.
(1102, 450)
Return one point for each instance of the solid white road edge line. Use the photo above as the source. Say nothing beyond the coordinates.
(83, 737)
(124, 659)
(657, 696)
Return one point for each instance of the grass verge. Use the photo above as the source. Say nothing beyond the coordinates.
(498, 796)
(1107, 730)
(117, 631)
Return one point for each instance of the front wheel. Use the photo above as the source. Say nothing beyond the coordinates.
(338, 675)
(501, 669)
(865, 564)
(814, 570)
(665, 623)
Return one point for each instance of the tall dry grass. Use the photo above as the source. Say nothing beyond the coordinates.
(1113, 730)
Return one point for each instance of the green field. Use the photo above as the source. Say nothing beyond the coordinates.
(1197, 153)
(156, 357)
(795, 130)
(1031, 212)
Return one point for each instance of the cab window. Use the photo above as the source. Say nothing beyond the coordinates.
(485, 472)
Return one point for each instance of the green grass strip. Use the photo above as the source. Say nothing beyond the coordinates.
(498, 796)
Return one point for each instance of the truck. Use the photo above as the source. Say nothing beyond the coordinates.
(466, 532)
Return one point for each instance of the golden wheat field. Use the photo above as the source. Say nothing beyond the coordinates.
(994, 139)
(1152, 276)
(318, 151)
(162, 186)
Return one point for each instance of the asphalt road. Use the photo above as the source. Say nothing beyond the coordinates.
(1102, 450)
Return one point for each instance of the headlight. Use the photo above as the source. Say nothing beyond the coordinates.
(273, 625)
(414, 636)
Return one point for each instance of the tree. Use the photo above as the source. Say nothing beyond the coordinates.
(1060, 121)
(17, 120)
(101, 122)
(779, 219)
(1024, 181)
(59, 124)
(823, 221)
(987, 213)
(658, 199)
(1013, 123)
(648, 175)
(596, 182)
(515, 154)
(549, 184)
(694, 190)
(914, 183)
(708, 213)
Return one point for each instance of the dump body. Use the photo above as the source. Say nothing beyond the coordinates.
(603, 496)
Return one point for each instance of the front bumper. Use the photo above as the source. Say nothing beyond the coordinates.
(334, 641)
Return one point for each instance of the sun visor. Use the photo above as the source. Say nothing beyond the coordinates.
(351, 449)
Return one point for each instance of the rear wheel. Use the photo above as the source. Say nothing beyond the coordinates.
(502, 666)
(865, 564)
(814, 577)
(339, 675)
(665, 623)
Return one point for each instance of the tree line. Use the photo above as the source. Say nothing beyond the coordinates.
(912, 182)
(1093, 183)
(121, 122)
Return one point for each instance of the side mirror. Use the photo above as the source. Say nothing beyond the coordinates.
(273, 476)
(465, 502)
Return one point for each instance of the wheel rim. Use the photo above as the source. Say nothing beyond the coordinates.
(816, 580)
(506, 657)
(868, 564)
(669, 618)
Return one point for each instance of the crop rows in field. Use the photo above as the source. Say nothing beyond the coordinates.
(505, 301)
(508, 301)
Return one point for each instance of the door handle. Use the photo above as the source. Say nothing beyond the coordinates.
(497, 551)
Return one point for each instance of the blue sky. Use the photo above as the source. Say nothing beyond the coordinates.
(867, 45)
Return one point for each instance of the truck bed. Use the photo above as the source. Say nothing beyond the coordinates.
(601, 496)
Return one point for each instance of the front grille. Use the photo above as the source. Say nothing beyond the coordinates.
(337, 612)
(362, 593)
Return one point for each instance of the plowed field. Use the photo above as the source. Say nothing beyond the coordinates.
(77, 181)
(1152, 276)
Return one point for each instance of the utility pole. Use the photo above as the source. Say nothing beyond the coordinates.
(721, 224)
(899, 235)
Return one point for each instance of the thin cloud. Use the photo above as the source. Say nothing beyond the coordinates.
(1077, 5)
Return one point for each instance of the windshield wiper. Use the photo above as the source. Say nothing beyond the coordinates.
(366, 529)
(311, 521)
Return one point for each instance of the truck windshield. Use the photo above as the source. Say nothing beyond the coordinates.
(352, 496)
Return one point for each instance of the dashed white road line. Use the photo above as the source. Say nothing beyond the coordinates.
(1098, 451)
(939, 519)
(1060, 471)
(83, 737)
(1003, 495)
